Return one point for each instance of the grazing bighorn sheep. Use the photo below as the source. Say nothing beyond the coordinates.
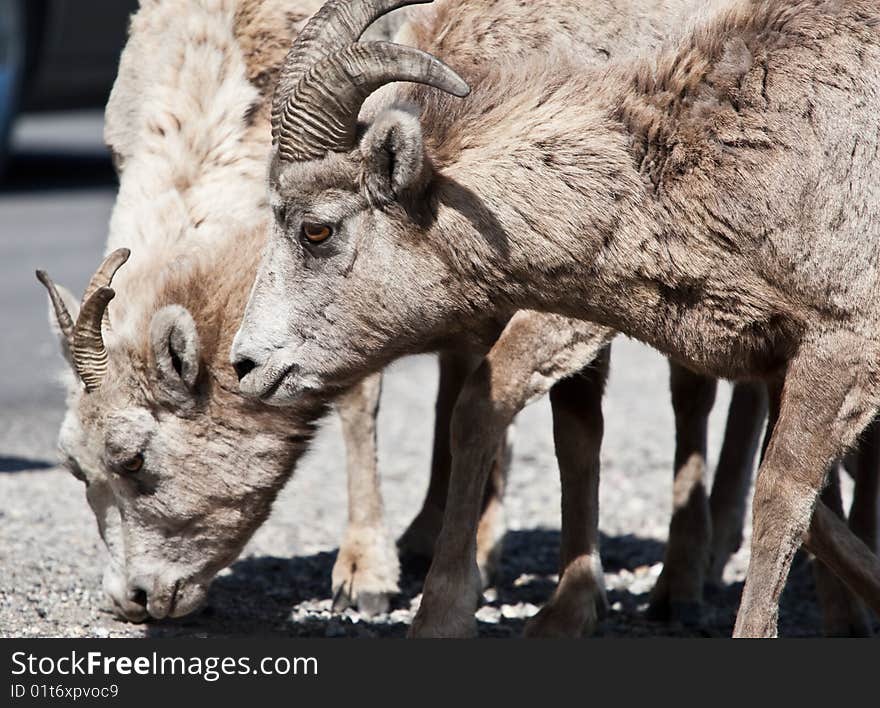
(638, 197)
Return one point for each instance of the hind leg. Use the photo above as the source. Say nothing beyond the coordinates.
(579, 599)
(733, 476)
(843, 614)
(829, 396)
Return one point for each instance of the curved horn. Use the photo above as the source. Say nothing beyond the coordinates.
(65, 322)
(320, 116)
(104, 276)
(336, 25)
(85, 338)
(89, 353)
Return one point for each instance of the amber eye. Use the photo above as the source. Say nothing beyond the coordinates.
(133, 464)
(316, 233)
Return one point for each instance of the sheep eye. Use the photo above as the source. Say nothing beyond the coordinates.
(316, 233)
(133, 464)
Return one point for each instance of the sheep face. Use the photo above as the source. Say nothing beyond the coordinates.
(346, 272)
(178, 471)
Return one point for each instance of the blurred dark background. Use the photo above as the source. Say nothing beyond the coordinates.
(57, 55)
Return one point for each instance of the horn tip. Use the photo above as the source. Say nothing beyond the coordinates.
(43, 277)
(461, 89)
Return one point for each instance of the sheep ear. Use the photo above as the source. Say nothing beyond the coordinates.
(393, 154)
(176, 349)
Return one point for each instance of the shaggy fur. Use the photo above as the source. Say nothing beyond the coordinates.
(716, 200)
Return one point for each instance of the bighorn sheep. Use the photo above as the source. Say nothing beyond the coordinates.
(638, 197)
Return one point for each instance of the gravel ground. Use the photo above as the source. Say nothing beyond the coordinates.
(50, 553)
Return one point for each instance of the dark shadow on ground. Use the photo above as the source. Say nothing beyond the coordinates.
(256, 599)
(23, 464)
(33, 171)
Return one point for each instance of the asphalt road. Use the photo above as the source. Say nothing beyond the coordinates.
(54, 210)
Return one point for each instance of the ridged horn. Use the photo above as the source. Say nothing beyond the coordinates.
(336, 25)
(103, 277)
(65, 321)
(89, 352)
(320, 116)
(85, 337)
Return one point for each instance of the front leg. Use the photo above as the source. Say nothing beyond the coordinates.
(828, 397)
(453, 585)
(832, 542)
(416, 545)
(533, 352)
(366, 571)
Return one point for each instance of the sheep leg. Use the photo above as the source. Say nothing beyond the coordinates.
(416, 545)
(579, 599)
(865, 510)
(524, 363)
(678, 594)
(825, 403)
(366, 570)
(843, 614)
(733, 476)
(492, 526)
(832, 541)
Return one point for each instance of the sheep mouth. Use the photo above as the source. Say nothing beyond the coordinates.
(272, 384)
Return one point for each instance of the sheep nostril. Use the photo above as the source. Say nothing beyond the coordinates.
(138, 597)
(243, 367)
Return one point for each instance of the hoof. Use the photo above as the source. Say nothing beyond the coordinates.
(426, 629)
(552, 624)
(365, 573)
(368, 604)
(688, 613)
